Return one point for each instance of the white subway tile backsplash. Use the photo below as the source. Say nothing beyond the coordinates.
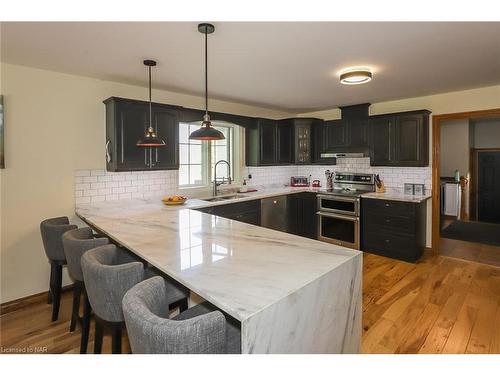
(90, 179)
(100, 185)
(82, 186)
(82, 173)
(97, 185)
(81, 200)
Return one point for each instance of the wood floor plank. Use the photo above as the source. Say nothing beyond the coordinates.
(495, 340)
(438, 335)
(482, 334)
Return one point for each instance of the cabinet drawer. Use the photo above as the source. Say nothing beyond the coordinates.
(233, 209)
(401, 224)
(387, 207)
(249, 217)
(392, 245)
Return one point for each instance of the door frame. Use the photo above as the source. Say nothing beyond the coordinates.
(474, 168)
(436, 151)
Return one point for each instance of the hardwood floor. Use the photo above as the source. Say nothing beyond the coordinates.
(439, 305)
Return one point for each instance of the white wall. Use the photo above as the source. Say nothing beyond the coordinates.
(54, 126)
(455, 147)
(487, 133)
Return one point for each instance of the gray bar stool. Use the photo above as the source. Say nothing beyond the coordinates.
(201, 329)
(76, 242)
(109, 272)
(52, 231)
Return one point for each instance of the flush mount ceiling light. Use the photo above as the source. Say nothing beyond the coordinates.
(206, 132)
(150, 138)
(355, 77)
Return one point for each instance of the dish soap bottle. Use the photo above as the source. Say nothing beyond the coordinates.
(457, 175)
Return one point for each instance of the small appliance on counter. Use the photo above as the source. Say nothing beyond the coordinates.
(299, 181)
(316, 183)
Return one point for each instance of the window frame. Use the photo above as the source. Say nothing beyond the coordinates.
(235, 142)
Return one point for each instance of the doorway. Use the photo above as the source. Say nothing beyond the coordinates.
(486, 185)
(466, 179)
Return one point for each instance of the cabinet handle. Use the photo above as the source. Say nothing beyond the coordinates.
(387, 220)
(387, 205)
(387, 241)
(108, 154)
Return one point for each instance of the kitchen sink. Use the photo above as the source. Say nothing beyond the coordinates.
(221, 198)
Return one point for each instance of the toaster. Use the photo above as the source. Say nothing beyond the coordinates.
(299, 181)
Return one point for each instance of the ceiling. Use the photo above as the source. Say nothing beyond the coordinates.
(291, 66)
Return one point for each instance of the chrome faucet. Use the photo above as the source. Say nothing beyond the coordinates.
(217, 183)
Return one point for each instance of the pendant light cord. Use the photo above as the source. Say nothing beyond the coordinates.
(206, 72)
(150, 120)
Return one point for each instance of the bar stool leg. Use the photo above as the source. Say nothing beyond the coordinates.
(56, 285)
(85, 323)
(117, 339)
(98, 337)
(75, 313)
(183, 305)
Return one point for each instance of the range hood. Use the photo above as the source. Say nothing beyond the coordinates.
(352, 112)
(343, 155)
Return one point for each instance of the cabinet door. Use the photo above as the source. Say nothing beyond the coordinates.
(166, 124)
(309, 208)
(132, 120)
(410, 141)
(358, 134)
(303, 144)
(381, 140)
(336, 135)
(268, 141)
(284, 149)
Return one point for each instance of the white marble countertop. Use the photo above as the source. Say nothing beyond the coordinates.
(240, 268)
(398, 196)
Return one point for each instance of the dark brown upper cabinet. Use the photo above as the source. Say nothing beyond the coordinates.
(400, 139)
(335, 134)
(302, 147)
(269, 142)
(126, 123)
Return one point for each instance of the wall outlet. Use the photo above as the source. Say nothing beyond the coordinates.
(249, 176)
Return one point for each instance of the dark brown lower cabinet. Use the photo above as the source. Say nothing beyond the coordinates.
(302, 219)
(394, 229)
(246, 212)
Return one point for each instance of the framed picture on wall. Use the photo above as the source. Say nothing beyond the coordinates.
(2, 154)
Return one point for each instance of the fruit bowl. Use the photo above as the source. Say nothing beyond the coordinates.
(174, 200)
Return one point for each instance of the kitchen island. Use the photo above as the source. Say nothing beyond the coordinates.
(290, 294)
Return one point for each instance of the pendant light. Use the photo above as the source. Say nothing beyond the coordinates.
(206, 132)
(150, 138)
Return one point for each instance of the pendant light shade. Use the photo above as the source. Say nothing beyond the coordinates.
(206, 132)
(150, 138)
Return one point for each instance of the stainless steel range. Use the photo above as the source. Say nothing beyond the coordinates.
(339, 209)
